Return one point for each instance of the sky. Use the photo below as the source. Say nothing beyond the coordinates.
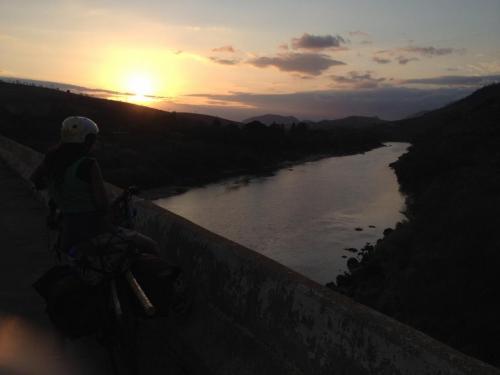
(316, 59)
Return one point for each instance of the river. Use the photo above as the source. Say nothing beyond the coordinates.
(303, 216)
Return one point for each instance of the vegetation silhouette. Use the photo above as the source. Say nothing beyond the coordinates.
(438, 271)
(152, 148)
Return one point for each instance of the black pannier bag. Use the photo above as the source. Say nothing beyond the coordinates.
(71, 303)
(157, 278)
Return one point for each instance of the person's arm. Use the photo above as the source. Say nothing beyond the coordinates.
(39, 177)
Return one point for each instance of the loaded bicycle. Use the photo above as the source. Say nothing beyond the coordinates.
(106, 285)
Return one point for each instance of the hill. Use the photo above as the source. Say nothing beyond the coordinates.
(270, 119)
(453, 115)
(438, 270)
(354, 122)
(152, 148)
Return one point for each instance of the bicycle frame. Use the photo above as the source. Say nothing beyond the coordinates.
(123, 214)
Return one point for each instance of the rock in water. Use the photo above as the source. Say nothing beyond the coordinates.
(352, 264)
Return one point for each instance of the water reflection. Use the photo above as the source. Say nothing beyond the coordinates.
(303, 217)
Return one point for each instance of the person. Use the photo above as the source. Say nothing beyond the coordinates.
(76, 187)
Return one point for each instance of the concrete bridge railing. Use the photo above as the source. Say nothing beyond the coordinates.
(255, 316)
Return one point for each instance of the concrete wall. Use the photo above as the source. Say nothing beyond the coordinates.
(254, 316)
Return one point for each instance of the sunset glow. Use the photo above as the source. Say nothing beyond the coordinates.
(139, 75)
(140, 85)
(313, 60)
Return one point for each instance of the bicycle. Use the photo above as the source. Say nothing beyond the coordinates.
(118, 331)
(106, 263)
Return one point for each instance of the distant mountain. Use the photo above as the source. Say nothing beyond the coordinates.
(415, 115)
(270, 118)
(353, 122)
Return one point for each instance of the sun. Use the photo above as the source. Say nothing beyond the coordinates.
(140, 86)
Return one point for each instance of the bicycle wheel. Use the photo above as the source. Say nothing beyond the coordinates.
(122, 332)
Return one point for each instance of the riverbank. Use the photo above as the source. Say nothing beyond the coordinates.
(244, 174)
(438, 270)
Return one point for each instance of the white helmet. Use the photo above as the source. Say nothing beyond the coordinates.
(76, 128)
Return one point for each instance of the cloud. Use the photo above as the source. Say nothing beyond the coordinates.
(224, 61)
(228, 49)
(403, 60)
(358, 80)
(456, 80)
(6, 73)
(219, 103)
(317, 42)
(359, 33)
(306, 63)
(484, 67)
(98, 92)
(381, 60)
(385, 102)
(431, 51)
(400, 54)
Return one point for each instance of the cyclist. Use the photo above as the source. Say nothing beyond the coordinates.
(75, 185)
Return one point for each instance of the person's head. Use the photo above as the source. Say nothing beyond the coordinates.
(78, 135)
(79, 130)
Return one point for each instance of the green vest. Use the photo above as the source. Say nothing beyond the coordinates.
(74, 195)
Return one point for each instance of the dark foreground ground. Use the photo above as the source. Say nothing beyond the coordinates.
(28, 345)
